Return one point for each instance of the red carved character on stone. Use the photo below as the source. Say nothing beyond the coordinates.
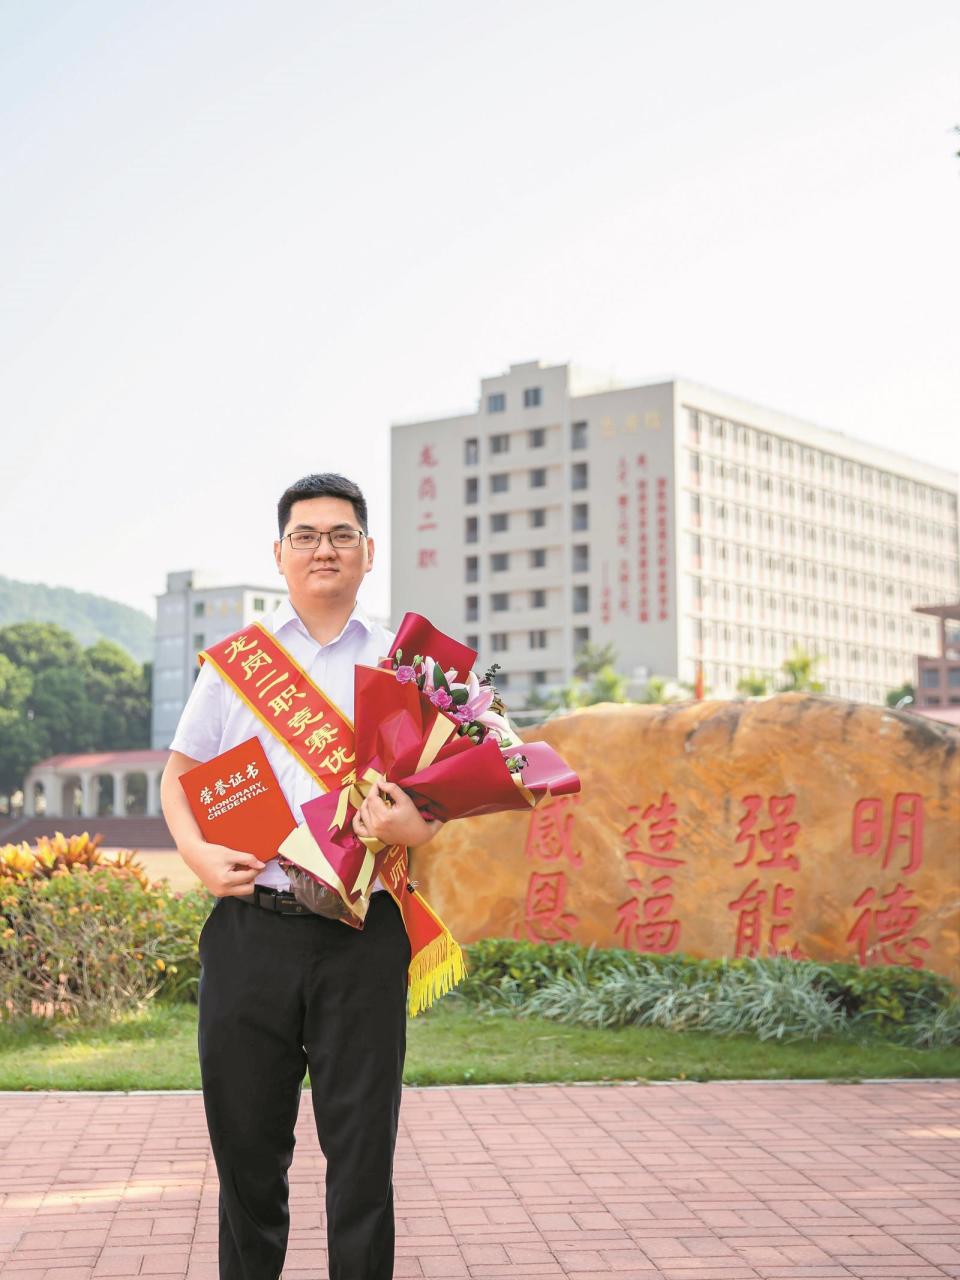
(544, 919)
(905, 829)
(776, 839)
(644, 925)
(643, 921)
(550, 833)
(751, 906)
(661, 817)
(881, 931)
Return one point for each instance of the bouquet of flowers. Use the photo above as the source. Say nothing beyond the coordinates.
(425, 721)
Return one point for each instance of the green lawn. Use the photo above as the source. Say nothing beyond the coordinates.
(452, 1045)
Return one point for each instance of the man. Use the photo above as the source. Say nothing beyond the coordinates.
(282, 989)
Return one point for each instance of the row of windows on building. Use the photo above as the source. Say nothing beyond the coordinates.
(726, 641)
(707, 597)
(733, 515)
(505, 521)
(930, 678)
(897, 563)
(534, 558)
(499, 481)
(170, 675)
(511, 641)
(499, 442)
(497, 400)
(210, 608)
(769, 491)
(503, 601)
(900, 633)
(726, 438)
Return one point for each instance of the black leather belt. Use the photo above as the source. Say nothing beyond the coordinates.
(278, 900)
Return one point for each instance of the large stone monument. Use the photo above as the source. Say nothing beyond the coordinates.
(798, 824)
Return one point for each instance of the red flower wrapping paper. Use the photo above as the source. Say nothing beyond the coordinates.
(404, 737)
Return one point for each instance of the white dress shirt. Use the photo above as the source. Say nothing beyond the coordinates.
(215, 719)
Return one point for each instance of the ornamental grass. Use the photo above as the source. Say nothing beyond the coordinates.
(771, 998)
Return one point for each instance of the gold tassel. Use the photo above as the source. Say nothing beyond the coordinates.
(436, 969)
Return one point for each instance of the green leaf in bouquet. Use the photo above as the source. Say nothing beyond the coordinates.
(439, 679)
(459, 696)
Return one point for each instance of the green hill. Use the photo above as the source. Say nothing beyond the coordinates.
(87, 617)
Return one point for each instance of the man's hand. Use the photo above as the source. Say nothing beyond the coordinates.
(227, 873)
(396, 822)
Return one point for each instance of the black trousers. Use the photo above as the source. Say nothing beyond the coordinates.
(277, 994)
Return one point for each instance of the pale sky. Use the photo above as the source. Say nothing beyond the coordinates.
(239, 239)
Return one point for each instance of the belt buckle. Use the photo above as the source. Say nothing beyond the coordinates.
(266, 897)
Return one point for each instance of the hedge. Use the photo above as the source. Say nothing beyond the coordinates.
(86, 935)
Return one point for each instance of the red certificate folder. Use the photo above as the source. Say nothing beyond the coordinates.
(237, 801)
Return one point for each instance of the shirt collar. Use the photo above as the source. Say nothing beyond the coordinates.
(286, 615)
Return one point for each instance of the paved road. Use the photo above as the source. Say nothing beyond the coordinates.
(672, 1182)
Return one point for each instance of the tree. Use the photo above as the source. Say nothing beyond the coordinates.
(663, 689)
(592, 658)
(15, 685)
(906, 691)
(58, 698)
(120, 688)
(608, 686)
(22, 743)
(37, 646)
(799, 670)
(62, 707)
(754, 685)
(593, 663)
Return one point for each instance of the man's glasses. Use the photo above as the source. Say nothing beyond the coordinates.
(307, 540)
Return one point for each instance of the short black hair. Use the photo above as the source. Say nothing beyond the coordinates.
(325, 485)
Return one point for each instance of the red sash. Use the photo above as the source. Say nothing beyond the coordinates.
(282, 696)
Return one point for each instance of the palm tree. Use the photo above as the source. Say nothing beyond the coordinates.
(664, 689)
(608, 686)
(799, 670)
(592, 658)
(754, 685)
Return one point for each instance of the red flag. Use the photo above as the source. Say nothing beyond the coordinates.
(698, 683)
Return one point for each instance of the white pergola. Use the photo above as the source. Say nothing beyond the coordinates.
(58, 773)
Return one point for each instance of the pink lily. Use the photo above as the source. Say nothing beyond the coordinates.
(428, 665)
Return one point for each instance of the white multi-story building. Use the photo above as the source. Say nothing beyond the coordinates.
(680, 524)
(192, 614)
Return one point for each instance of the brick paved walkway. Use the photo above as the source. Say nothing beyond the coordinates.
(674, 1182)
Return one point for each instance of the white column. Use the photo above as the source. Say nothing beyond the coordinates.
(153, 795)
(119, 794)
(55, 798)
(28, 807)
(67, 805)
(49, 781)
(86, 796)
